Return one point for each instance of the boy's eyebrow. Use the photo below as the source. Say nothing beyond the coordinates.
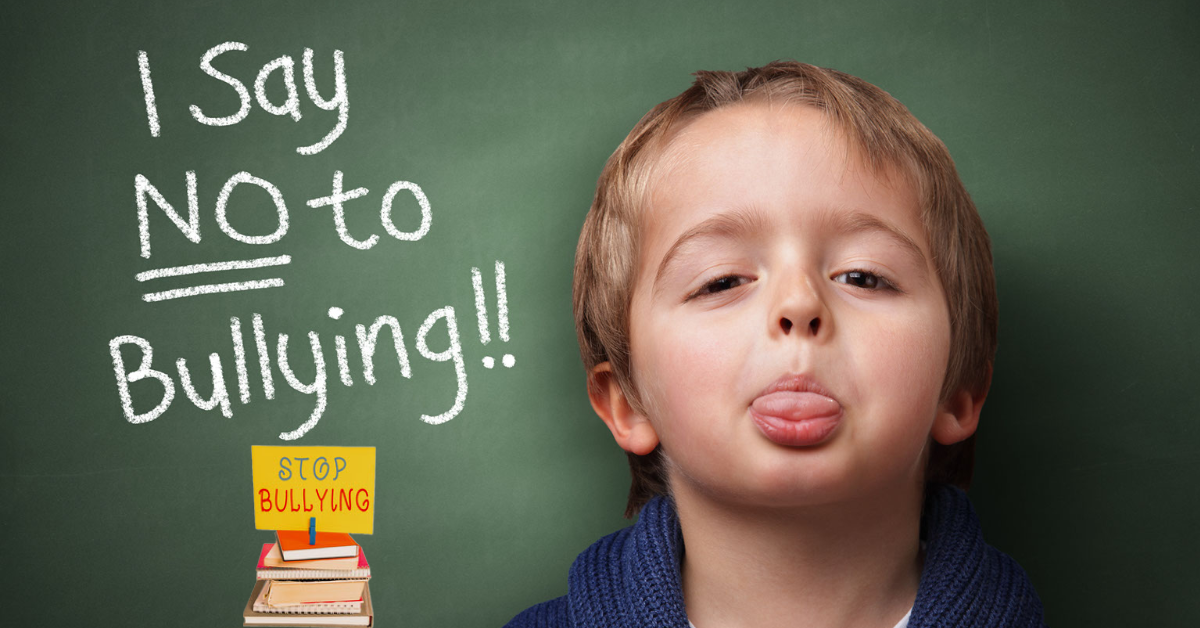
(744, 221)
(853, 222)
(734, 224)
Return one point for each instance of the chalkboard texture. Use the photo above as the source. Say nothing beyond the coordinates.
(411, 165)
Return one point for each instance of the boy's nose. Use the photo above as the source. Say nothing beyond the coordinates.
(801, 309)
(814, 325)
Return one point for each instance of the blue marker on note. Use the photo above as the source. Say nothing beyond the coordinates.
(312, 530)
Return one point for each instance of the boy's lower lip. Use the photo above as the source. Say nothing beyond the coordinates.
(796, 419)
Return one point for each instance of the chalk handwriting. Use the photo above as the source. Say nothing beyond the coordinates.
(283, 66)
(367, 345)
(145, 191)
(213, 389)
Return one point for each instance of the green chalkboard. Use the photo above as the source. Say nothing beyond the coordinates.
(1073, 125)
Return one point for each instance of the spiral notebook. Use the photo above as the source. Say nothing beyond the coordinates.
(272, 567)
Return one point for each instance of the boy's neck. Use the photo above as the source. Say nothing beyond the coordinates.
(856, 564)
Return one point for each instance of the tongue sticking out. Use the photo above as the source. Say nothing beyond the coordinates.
(795, 406)
(796, 419)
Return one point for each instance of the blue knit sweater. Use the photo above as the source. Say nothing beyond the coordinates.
(630, 578)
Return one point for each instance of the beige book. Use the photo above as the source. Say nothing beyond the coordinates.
(336, 608)
(292, 592)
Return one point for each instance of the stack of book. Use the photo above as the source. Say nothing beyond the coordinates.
(298, 584)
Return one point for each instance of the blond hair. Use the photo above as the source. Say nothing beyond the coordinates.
(887, 135)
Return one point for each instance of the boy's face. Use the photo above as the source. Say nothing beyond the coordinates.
(762, 243)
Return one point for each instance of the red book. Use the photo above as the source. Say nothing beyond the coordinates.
(270, 558)
(293, 545)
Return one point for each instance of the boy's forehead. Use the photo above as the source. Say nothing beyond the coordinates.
(733, 155)
(681, 145)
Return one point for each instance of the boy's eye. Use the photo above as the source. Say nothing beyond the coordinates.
(720, 284)
(864, 279)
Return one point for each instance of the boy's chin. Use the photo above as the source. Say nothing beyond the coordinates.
(789, 489)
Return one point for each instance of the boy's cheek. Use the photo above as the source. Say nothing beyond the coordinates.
(911, 371)
(688, 363)
(901, 384)
(918, 340)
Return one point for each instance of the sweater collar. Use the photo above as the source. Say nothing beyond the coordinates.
(631, 578)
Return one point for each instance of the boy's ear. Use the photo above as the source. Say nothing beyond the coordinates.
(958, 417)
(632, 430)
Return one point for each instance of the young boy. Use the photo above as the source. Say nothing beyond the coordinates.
(786, 306)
